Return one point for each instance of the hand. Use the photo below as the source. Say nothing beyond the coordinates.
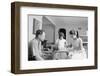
(70, 54)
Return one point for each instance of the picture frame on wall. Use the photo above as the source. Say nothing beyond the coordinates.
(36, 25)
(53, 37)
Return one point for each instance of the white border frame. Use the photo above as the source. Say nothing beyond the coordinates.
(25, 64)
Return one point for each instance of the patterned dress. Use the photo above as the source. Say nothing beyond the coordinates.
(78, 50)
(61, 52)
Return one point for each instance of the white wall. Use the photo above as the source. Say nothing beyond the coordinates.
(69, 23)
(5, 38)
(49, 29)
(56, 23)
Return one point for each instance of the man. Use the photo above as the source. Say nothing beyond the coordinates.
(35, 51)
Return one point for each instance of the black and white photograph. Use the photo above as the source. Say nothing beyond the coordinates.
(53, 37)
(57, 37)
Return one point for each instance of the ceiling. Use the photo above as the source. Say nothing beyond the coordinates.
(59, 20)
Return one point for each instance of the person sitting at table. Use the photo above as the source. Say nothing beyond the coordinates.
(61, 44)
(35, 51)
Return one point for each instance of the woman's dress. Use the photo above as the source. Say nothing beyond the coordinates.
(78, 50)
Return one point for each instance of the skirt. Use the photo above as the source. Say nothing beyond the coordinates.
(79, 54)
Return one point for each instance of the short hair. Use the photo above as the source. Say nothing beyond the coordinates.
(61, 34)
(39, 32)
(73, 32)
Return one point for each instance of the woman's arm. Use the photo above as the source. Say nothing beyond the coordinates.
(80, 43)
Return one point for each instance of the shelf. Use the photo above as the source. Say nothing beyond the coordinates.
(85, 42)
(83, 35)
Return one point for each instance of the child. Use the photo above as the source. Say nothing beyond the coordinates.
(61, 44)
(77, 46)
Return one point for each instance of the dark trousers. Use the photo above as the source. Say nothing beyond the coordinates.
(31, 58)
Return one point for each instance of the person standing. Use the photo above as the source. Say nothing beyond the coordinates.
(78, 51)
(61, 44)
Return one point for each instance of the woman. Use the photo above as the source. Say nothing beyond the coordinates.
(61, 45)
(78, 52)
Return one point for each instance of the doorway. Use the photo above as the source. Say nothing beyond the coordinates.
(64, 31)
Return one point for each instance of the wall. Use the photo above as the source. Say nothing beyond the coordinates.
(49, 29)
(30, 25)
(69, 23)
(5, 38)
(52, 24)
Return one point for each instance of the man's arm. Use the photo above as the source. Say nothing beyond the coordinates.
(36, 51)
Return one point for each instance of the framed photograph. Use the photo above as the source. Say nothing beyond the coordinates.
(52, 37)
